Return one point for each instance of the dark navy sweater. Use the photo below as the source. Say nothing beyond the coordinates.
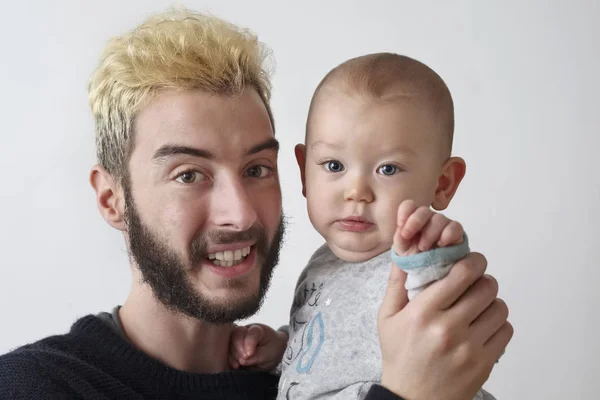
(93, 362)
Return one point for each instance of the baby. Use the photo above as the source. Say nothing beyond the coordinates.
(376, 160)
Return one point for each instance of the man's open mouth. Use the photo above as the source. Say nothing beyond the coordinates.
(229, 258)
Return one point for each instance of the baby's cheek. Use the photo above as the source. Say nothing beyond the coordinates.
(317, 213)
(387, 225)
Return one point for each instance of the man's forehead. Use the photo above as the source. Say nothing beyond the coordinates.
(200, 120)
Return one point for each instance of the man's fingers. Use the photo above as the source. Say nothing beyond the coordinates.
(489, 322)
(475, 301)
(395, 298)
(496, 345)
(442, 294)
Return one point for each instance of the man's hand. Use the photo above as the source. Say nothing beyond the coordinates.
(445, 342)
(257, 346)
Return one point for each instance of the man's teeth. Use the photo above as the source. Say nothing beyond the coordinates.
(230, 257)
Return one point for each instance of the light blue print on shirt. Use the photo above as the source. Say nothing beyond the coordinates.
(315, 337)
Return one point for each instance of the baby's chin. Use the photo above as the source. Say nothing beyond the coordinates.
(354, 255)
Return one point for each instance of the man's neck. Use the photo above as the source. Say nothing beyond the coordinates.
(174, 339)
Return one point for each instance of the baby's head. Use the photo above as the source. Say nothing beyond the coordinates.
(379, 131)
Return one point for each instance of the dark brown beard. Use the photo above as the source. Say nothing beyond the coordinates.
(167, 275)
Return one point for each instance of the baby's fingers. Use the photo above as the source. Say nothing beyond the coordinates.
(416, 222)
(432, 232)
(237, 342)
(254, 337)
(405, 210)
(233, 361)
(451, 235)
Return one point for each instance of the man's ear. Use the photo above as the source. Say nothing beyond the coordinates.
(300, 151)
(109, 197)
(453, 171)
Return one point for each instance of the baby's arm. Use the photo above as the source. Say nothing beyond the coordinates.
(426, 245)
(257, 346)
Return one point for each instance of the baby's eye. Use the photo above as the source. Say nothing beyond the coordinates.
(189, 177)
(334, 166)
(388, 169)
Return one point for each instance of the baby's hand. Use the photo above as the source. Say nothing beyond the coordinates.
(420, 229)
(257, 346)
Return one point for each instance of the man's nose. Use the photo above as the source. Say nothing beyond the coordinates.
(232, 205)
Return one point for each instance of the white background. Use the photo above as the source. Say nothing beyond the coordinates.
(525, 79)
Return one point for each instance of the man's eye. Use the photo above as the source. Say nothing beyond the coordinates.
(259, 171)
(388, 169)
(189, 177)
(334, 166)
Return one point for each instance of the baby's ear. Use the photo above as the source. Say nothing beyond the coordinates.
(453, 171)
(300, 151)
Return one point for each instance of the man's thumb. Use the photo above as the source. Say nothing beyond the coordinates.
(395, 298)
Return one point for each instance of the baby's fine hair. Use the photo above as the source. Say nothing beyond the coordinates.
(388, 76)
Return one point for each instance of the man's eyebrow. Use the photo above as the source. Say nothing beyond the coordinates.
(269, 144)
(170, 150)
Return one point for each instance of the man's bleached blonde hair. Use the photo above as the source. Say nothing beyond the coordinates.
(180, 50)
